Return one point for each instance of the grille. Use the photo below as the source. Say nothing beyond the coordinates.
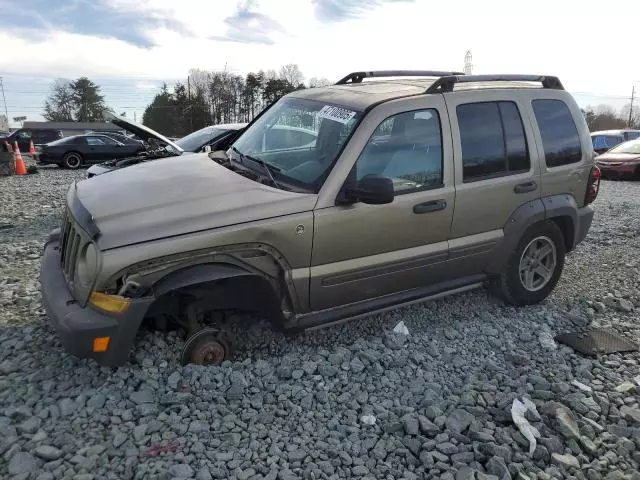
(69, 247)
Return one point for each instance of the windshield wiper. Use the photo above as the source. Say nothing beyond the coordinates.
(267, 167)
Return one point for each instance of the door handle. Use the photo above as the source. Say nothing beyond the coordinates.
(428, 207)
(525, 187)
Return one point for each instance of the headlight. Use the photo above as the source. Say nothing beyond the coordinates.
(87, 265)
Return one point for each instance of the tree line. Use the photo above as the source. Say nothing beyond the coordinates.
(207, 98)
(605, 117)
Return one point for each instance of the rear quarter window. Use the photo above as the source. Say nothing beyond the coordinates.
(559, 133)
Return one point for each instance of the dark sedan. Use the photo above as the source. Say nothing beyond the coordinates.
(78, 150)
(621, 161)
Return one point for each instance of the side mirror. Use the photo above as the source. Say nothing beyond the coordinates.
(206, 148)
(373, 189)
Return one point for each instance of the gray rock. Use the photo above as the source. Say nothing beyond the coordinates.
(7, 367)
(356, 365)
(565, 461)
(411, 425)
(565, 422)
(458, 420)
(47, 452)
(204, 474)
(496, 466)
(174, 380)
(97, 401)
(140, 431)
(427, 426)
(141, 397)
(67, 407)
(447, 448)
(21, 463)
(297, 455)
(287, 475)
(630, 414)
(465, 473)
(360, 470)
(30, 426)
(181, 470)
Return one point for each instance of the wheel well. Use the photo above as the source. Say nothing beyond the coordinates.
(245, 294)
(565, 223)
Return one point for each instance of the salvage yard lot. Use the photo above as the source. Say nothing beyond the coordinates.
(292, 407)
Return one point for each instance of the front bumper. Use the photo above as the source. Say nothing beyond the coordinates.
(77, 326)
(585, 217)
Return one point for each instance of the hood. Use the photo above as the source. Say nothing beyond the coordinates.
(617, 157)
(176, 196)
(142, 131)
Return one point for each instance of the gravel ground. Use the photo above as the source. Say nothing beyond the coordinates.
(355, 401)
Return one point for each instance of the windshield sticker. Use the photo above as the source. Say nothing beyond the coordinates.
(336, 114)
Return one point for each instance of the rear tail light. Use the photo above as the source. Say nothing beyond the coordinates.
(593, 185)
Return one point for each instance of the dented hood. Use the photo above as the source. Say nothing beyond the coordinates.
(178, 196)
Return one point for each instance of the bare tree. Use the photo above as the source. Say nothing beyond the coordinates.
(60, 104)
(319, 82)
(292, 74)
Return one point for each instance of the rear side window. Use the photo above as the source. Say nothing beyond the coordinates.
(559, 132)
(612, 140)
(493, 140)
(631, 135)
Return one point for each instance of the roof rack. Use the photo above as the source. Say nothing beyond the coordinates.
(447, 82)
(357, 77)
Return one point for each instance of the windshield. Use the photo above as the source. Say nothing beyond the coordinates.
(300, 138)
(632, 146)
(196, 140)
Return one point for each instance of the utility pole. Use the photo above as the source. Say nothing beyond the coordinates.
(633, 91)
(4, 100)
(190, 106)
(134, 117)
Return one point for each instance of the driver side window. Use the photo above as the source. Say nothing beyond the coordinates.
(407, 148)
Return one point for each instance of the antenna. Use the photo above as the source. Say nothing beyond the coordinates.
(468, 63)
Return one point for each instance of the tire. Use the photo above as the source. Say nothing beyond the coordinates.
(517, 285)
(72, 160)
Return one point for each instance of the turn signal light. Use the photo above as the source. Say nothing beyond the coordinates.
(109, 303)
(100, 344)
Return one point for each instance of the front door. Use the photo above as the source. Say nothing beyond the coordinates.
(365, 251)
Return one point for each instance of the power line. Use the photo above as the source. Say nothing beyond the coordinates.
(6, 112)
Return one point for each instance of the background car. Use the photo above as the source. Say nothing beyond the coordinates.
(38, 136)
(621, 161)
(127, 140)
(604, 140)
(214, 137)
(78, 150)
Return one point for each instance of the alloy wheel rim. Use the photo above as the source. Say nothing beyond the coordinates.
(537, 263)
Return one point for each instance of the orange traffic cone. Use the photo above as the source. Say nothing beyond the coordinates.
(20, 168)
(32, 149)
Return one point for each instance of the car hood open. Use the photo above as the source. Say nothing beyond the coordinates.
(142, 131)
(154, 200)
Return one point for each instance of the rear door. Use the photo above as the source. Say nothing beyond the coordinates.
(496, 171)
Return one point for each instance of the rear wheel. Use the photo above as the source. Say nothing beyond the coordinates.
(72, 160)
(534, 267)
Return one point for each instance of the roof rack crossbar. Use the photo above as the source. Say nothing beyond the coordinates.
(447, 82)
(357, 77)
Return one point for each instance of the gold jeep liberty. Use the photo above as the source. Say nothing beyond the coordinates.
(409, 186)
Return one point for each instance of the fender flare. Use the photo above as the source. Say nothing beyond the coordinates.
(546, 208)
(225, 287)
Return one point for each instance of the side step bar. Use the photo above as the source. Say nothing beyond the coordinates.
(346, 313)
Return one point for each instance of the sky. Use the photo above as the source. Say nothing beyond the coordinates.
(130, 47)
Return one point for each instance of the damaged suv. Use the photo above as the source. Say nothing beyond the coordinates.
(415, 187)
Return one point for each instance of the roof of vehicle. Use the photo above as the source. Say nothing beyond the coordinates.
(614, 132)
(354, 92)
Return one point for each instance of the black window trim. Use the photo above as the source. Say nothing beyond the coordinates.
(426, 187)
(507, 172)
